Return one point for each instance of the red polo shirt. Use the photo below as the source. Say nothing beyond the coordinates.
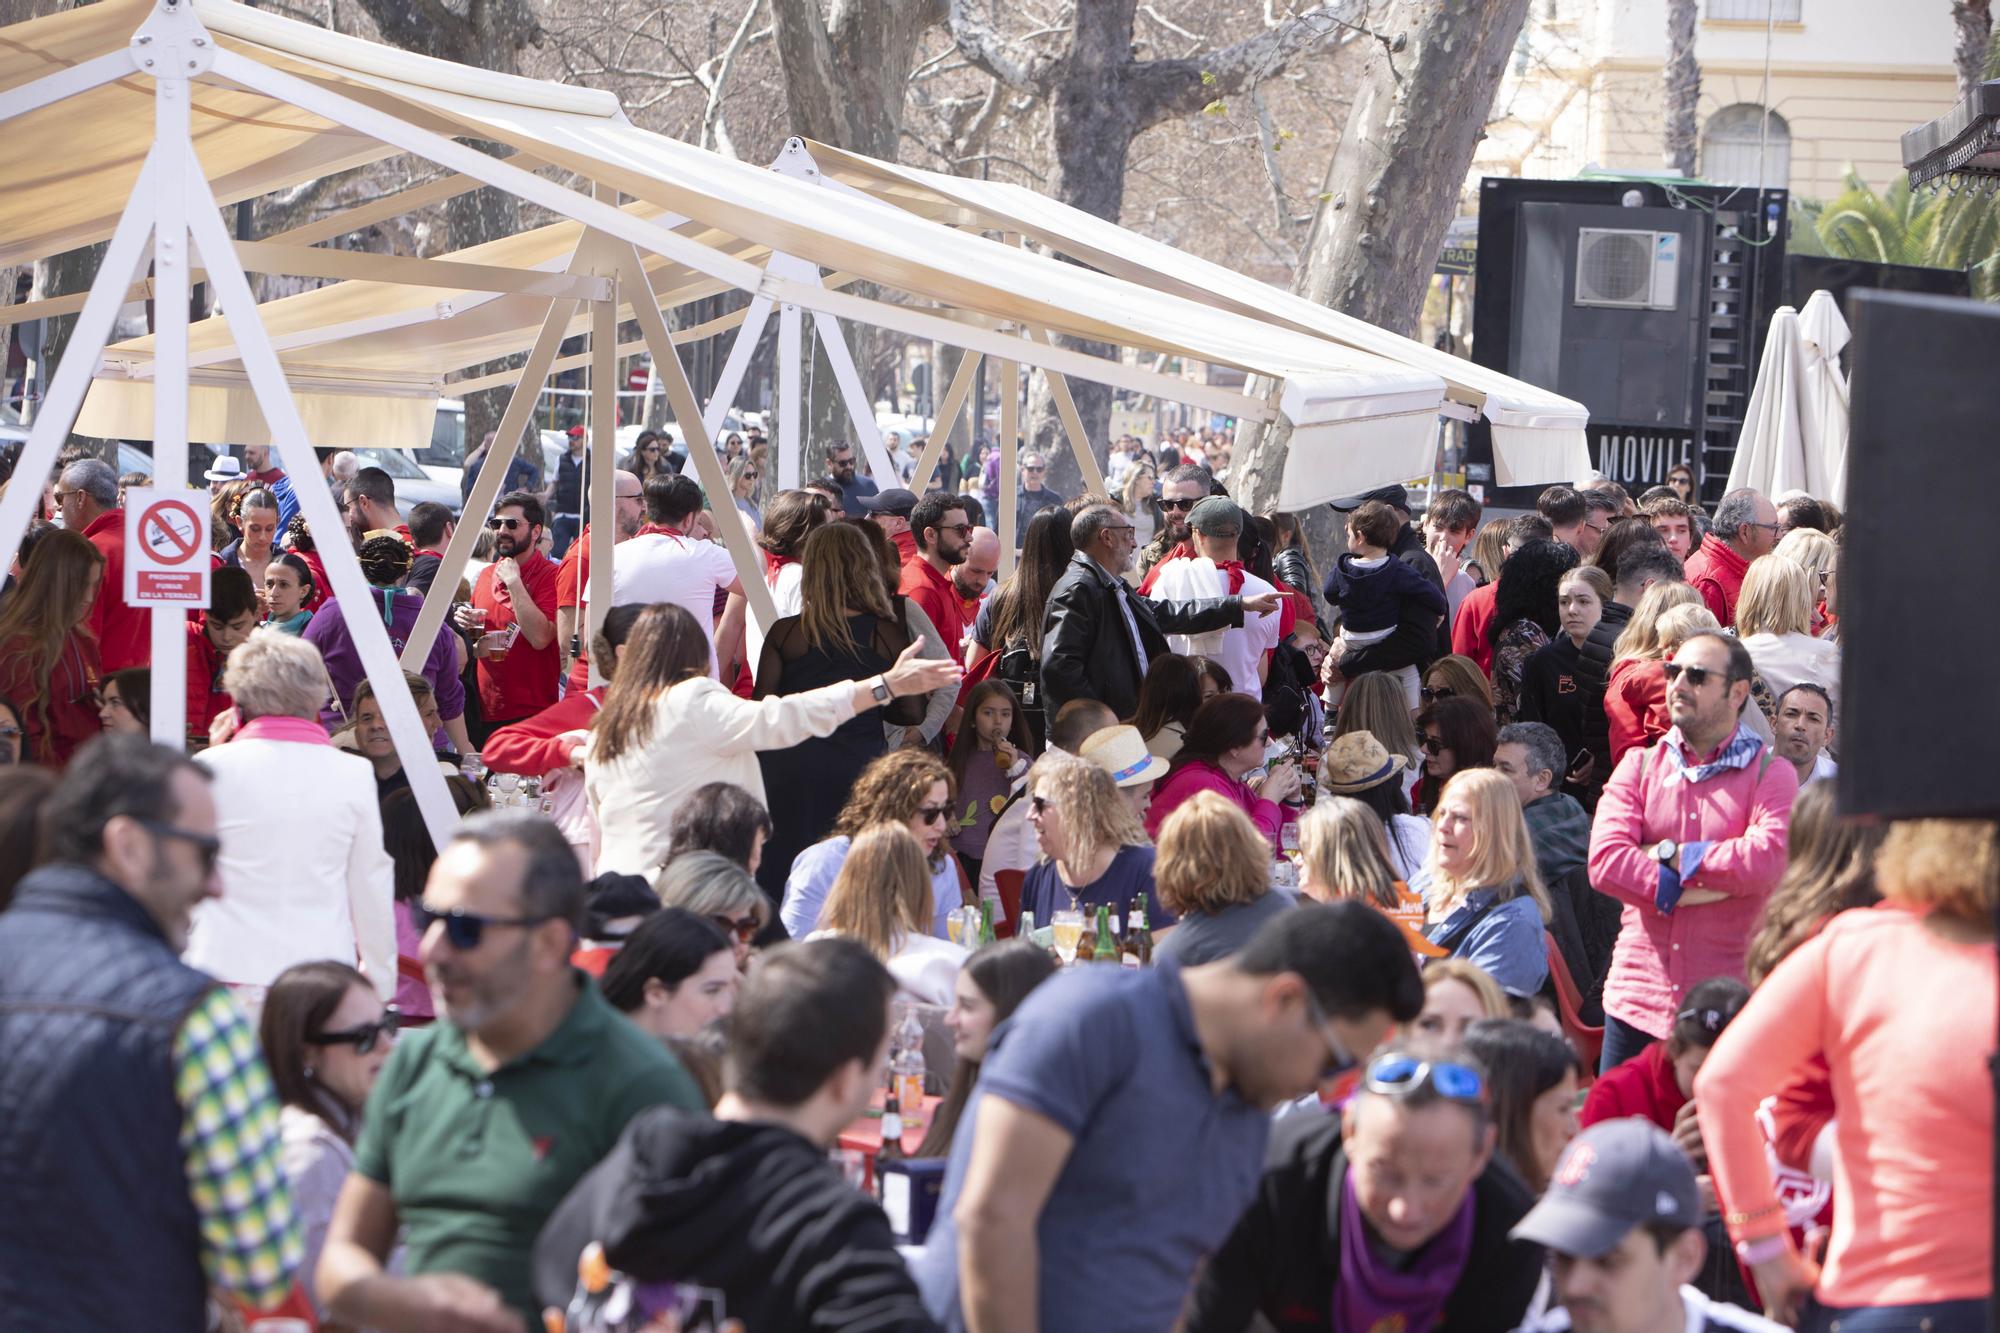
(525, 680)
(939, 598)
(124, 633)
(205, 698)
(906, 545)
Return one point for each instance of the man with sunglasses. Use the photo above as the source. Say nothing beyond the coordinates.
(513, 610)
(943, 535)
(1180, 491)
(1391, 1214)
(138, 1107)
(1034, 497)
(1690, 837)
(482, 1122)
(1121, 1118)
(853, 489)
(1746, 527)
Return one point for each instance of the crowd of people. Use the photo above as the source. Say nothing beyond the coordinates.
(1467, 938)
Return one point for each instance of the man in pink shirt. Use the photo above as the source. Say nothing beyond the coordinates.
(1746, 526)
(1690, 837)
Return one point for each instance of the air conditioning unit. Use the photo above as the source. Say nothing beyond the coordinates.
(1627, 269)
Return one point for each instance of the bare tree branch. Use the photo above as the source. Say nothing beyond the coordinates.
(714, 130)
(984, 47)
(1170, 89)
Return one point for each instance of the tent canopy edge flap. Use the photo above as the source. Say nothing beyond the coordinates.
(1329, 460)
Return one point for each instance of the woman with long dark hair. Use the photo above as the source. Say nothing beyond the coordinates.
(789, 519)
(1168, 698)
(848, 628)
(668, 727)
(1225, 743)
(675, 974)
(407, 839)
(647, 457)
(1531, 1079)
(1292, 560)
(1456, 734)
(1010, 623)
(1829, 869)
(326, 1037)
(909, 787)
(48, 656)
(990, 753)
(1524, 616)
(990, 988)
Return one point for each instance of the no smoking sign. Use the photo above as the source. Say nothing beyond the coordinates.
(166, 548)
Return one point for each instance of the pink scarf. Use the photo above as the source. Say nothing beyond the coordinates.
(297, 729)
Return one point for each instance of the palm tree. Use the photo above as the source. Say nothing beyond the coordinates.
(1902, 226)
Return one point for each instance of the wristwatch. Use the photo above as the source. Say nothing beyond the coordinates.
(1665, 851)
(880, 689)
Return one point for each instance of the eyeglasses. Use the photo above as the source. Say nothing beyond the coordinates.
(1431, 694)
(1118, 527)
(1433, 745)
(1696, 676)
(506, 524)
(364, 1038)
(744, 928)
(1774, 528)
(1177, 504)
(1396, 1075)
(208, 848)
(933, 814)
(1339, 1060)
(466, 929)
(1034, 469)
(629, 495)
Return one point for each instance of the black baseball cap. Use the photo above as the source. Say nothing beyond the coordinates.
(1616, 1175)
(895, 501)
(1394, 496)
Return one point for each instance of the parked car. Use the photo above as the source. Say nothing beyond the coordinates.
(413, 484)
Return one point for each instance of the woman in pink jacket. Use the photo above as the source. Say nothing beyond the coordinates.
(1225, 740)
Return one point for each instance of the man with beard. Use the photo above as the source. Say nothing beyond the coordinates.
(1180, 491)
(944, 538)
(853, 489)
(973, 579)
(488, 1117)
(513, 612)
(370, 506)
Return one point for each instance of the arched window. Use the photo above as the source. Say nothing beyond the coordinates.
(1729, 147)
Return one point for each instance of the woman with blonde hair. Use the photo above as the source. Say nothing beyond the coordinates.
(48, 655)
(712, 886)
(1897, 1002)
(1774, 615)
(1635, 694)
(1214, 875)
(1344, 850)
(1819, 555)
(1375, 703)
(912, 788)
(1458, 994)
(882, 900)
(1093, 848)
(669, 728)
(1485, 897)
(846, 627)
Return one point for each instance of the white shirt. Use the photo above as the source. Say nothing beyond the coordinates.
(660, 567)
(1823, 769)
(925, 967)
(1701, 1314)
(1240, 649)
(304, 876)
(701, 734)
(788, 591)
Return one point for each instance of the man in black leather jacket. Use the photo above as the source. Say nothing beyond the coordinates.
(1091, 648)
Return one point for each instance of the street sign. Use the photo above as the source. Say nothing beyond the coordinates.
(166, 548)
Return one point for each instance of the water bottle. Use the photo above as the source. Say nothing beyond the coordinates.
(906, 1067)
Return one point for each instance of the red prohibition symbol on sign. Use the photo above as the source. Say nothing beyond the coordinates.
(171, 531)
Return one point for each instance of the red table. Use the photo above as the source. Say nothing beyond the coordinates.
(865, 1135)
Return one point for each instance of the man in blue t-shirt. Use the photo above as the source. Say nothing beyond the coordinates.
(1118, 1128)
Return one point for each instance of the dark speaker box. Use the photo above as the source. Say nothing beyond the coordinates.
(1919, 637)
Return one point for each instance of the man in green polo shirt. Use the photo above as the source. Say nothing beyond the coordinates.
(481, 1123)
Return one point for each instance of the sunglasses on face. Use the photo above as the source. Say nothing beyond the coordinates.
(1177, 504)
(754, 476)
(743, 928)
(506, 524)
(652, 449)
(1433, 745)
(364, 1038)
(209, 849)
(1432, 693)
(1696, 676)
(466, 929)
(933, 814)
(1400, 1075)
(1038, 805)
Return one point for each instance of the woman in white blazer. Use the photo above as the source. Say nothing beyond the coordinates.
(304, 875)
(668, 727)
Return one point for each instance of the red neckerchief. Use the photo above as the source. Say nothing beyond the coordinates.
(773, 564)
(1234, 569)
(1180, 551)
(663, 530)
(425, 550)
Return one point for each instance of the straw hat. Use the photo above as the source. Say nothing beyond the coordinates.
(1121, 751)
(1356, 762)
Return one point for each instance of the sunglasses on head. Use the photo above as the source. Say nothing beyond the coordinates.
(1432, 745)
(364, 1038)
(208, 848)
(1696, 676)
(506, 524)
(1395, 1075)
(465, 929)
(1431, 694)
(744, 928)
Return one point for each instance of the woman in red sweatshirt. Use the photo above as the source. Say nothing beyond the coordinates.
(48, 657)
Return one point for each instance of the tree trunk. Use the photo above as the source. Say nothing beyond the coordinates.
(1683, 78)
(1391, 189)
(1972, 21)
